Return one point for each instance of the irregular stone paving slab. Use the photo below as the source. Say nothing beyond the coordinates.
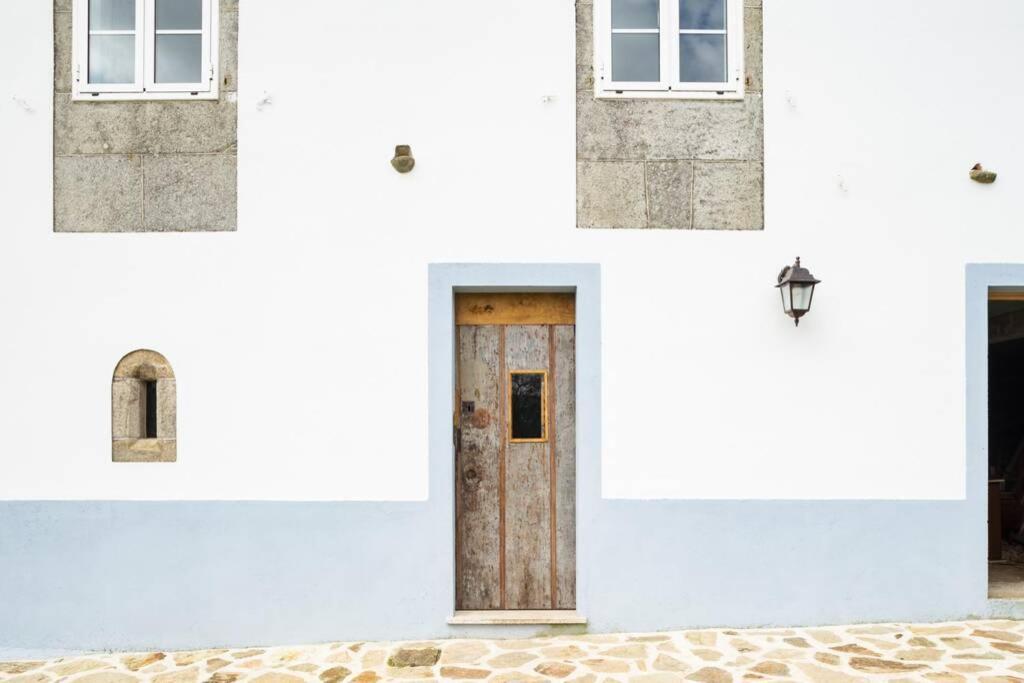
(953, 652)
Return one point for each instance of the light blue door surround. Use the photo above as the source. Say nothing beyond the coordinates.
(140, 575)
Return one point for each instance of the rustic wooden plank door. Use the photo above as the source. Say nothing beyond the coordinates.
(515, 469)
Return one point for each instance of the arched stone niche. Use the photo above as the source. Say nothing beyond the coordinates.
(144, 409)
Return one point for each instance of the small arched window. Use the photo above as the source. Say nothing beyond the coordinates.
(144, 409)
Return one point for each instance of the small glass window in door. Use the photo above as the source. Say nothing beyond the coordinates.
(527, 405)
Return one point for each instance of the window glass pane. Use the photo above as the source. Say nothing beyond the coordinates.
(112, 59)
(178, 58)
(636, 57)
(702, 58)
(634, 13)
(111, 15)
(179, 14)
(527, 405)
(702, 14)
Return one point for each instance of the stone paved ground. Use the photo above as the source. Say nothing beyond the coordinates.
(987, 651)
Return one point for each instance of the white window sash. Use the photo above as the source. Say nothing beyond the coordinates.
(669, 85)
(80, 38)
(207, 68)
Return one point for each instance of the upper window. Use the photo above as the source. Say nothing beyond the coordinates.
(669, 48)
(145, 49)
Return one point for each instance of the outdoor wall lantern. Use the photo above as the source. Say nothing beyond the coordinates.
(796, 284)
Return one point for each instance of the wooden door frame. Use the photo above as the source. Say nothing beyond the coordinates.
(445, 281)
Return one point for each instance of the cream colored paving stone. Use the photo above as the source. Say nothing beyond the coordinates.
(706, 654)
(993, 634)
(511, 660)
(824, 636)
(464, 673)
(77, 666)
(818, 674)
(710, 674)
(741, 645)
(881, 644)
(466, 652)
(29, 678)
(186, 658)
(106, 677)
(190, 675)
(339, 657)
(664, 662)
(216, 663)
(945, 677)
(658, 678)
(560, 652)
(606, 666)
(637, 651)
(919, 654)
(373, 658)
(309, 667)
(333, 674)
(277, 677)
(708, 638)
(555, 669)
(223, 677)
(18, 667)
(243, 654)
(136, 662)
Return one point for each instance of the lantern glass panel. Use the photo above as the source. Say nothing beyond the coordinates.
(802, 297)
(787, 305)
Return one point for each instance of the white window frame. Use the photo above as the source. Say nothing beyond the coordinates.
(145, 86)
(669, 87)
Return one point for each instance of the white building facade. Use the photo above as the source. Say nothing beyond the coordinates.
(729, 467)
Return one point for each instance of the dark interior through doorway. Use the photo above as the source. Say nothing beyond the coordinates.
(1006, 445)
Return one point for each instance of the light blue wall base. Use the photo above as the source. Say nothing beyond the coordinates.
(127, 575)
(130, 575)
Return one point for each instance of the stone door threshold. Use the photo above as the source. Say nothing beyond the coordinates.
(517, 616)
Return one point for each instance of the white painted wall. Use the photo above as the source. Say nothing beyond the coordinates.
(300, 342)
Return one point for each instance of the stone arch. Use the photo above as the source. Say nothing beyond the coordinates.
(144, 410)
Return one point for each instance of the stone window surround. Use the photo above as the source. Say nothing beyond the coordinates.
(128, 389)
(144, 87)
(150, 165)
(649, 163)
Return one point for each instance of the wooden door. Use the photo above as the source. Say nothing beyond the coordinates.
(515, 462)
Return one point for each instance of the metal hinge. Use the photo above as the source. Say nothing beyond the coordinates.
(78, 72)
(211, 71)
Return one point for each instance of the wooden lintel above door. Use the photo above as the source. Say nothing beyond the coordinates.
(515, 308)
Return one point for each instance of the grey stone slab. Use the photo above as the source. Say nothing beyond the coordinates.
(584, 46)
(62, 56)
(192, 126)
(188, 193)
(101, 193)
(610, 194)
(752, 34)
(728, 196)
(62, 5)
(668, 193)
(668, 129)
(228, 49)
(117, 127)
(98, 127)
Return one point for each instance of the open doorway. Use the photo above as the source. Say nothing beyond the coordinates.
(1006, 445)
